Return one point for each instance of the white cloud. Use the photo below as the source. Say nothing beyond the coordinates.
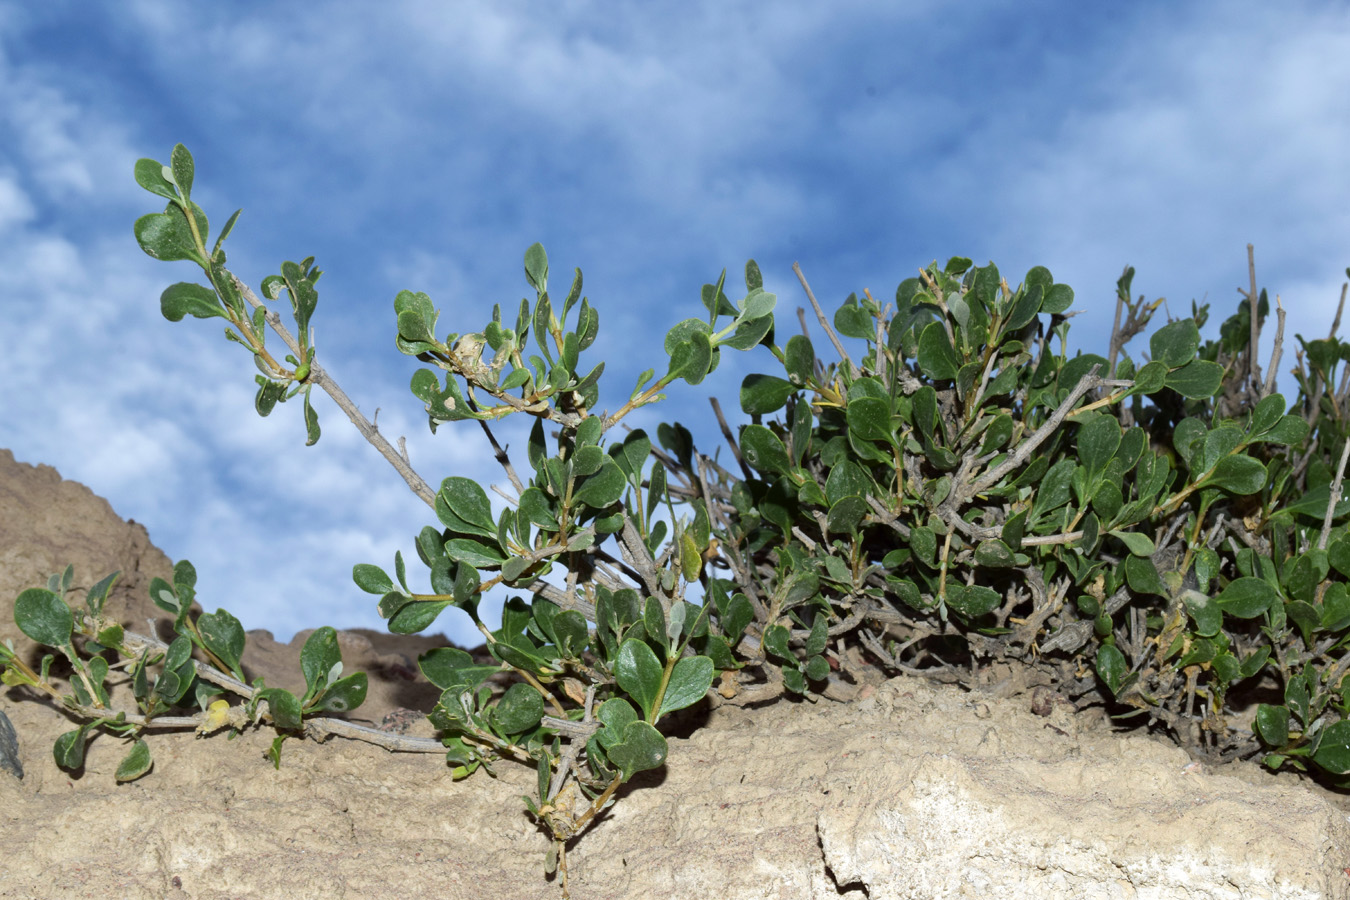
(15, 207)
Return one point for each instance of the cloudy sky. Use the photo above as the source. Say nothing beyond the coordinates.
(424, 145)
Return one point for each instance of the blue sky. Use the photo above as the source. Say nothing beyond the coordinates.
(424, 145)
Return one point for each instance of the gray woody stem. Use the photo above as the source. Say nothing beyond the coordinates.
(320, 377)
(1028, 446)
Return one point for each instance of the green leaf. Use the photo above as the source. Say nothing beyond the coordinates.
(632, 454)
(799, 358)
(1150, 379)
(846, 514)
(1289, 430)
(937, 359)
(188, 299)
(1254, 663)
(283, 707)
(1272, 724)
(1313, 503)
(345, 694)
(1333, 750)
(692, 359)
(739, 613)
(519, 709)
(1196, 380)
(371, 579)
(475, 553)
(538, 509)
(180, 164)
(536, 267)
(972, 601)
(1142, 576)
(1111, 666)
(994, 554)
(764, 394)
(150, 175)
(1335, 608)
(1176, 343)
(846, 479)
(642, 748)
(1098, 440)
(1014, 529)
(224, 233)
(753, 279)
(1238, 475)
(656, 625)
(414, 617)
(68, 749)
(1136, 543)
(757, 304)
(615, 714)
(570, 633)
(689, 681)
(603, 488)
(1055, 488)
(166, 236)
(1267, 414)
(869, 418)
(448, 667)
(317, 659)
(1026, 304)
(764, 451)
(776, 643)
(135, 764)
(1058, 298)
(269, 393)
(223, 635)
(749, 333)
(817, 668)
(1208, 616)
(639, 674)
(462, 505)
(1219, 443)
(1246, 597)
(1187, 436)
(851, 320)
(44, 617)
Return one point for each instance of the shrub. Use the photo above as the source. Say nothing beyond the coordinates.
(1165, 538)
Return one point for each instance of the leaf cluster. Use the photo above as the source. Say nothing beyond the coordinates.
(196, 671)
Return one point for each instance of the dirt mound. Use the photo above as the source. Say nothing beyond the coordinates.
(912, 790)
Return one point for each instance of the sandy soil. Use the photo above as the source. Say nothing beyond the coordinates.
(911, 790)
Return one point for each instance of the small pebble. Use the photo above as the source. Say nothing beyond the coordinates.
(9, 748)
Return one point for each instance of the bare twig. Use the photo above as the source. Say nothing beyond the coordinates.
(577, 734)
(319, 376)
(1340, 308)
(731, 438)
(1116, 341)
(1253, 368)
(502, 459)
(639, 558)
(1335, 498)
(1279, 344)
(1028, 446)
(318, 727)
(824, 323)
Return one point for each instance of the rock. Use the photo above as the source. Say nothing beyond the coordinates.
(9, 747)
